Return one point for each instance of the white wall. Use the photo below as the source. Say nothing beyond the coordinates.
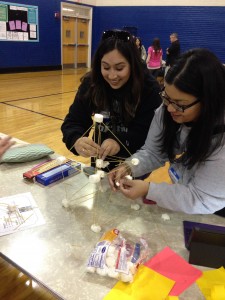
(152, 2)
(89, 2)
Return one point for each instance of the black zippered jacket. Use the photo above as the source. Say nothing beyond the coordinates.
(132, 135)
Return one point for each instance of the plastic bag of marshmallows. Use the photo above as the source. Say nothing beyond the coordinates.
(116, 257)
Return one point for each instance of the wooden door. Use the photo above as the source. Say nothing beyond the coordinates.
(69, 42)
(82, 42)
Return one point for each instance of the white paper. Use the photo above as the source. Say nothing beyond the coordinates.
(19, 212)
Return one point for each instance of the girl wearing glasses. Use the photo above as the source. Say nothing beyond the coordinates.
(187, 131)
(120, 88)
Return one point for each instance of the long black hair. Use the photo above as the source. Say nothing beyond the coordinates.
(200, 73)
(140, 43)
(124, 42)
(156, 45)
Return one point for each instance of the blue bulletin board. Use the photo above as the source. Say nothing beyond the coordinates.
(18, 22)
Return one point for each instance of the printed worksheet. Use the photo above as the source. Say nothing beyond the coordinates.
(19, 212)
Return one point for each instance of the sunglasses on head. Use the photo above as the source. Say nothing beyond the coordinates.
(117, 34)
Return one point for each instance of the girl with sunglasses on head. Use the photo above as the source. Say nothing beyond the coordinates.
(188, 131)
(120, 88)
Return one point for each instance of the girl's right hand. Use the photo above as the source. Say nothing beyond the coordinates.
(86, 147)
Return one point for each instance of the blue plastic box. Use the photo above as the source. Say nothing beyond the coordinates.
(60, 172)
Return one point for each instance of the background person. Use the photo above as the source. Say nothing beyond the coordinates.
(188, 131)
(173, 52)
(141, 48)
(154, 59)
(120, 88)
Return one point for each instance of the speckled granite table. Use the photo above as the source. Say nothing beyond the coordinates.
(56, 253)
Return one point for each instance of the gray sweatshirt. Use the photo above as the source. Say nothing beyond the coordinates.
(199, 190)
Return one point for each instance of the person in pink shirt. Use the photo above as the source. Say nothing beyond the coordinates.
(154, 59)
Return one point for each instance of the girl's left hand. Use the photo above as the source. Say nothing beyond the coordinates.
(134, 189)
(109, 147)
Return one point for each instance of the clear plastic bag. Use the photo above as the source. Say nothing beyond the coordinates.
(116, 257)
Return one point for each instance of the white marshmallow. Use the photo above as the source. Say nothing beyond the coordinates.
(95, 178)
(96, 228)
(65, 203)
(112, 273)
(110, 261)
(135, 206)
(91, 269)
(101, 173)
(102, 272)
(61, 159)
(132, 267)
(99, 163)
(165, 217)
(11, 207)
(111, 250)
(98, 118)
(129, 177)
(135, 161)
(126, 277)
(105, 164)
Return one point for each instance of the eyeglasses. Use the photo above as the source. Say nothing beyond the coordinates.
(167, 101)
(117, 34)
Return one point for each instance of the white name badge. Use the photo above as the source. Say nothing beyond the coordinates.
(173, 175)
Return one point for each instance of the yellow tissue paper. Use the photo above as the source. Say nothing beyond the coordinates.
(146, 283)
(212, 284)
(218, 292)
